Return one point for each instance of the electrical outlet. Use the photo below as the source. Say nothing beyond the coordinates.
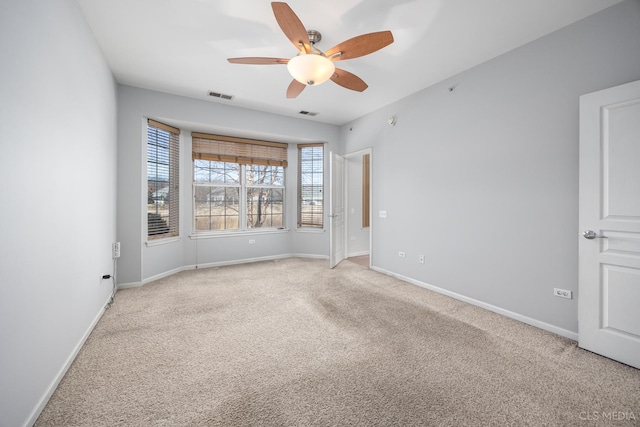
(421, 259)
(382, 214)
(252, 242)
(402, 254)
(115, 248)
(562, 293)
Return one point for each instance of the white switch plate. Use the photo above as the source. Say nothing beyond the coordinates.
(382, 214)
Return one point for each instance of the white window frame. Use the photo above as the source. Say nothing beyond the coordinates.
(243, 205)
(173, 188)
(299, 201)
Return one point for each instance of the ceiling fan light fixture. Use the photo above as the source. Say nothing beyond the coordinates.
(311, 66)
(311, 69)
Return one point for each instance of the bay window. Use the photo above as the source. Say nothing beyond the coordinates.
(238, 183)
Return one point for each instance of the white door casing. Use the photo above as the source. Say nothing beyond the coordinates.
(351, 158)
(336, 209)
(609, 259)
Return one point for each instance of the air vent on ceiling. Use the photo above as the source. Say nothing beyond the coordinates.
(220, 95)
(308, 113)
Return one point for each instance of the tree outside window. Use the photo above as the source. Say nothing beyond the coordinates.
(238, 184)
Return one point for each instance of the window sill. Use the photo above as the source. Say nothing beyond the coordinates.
(216, 235)
(310, 230)
(165, 241)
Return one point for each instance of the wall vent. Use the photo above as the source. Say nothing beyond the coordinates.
(308, 113)
(220, 95)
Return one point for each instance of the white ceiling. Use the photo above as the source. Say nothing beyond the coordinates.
(181, 46)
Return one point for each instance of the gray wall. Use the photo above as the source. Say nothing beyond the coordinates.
(58, 174)
(484, 180)
(492, 203)
(139, 262)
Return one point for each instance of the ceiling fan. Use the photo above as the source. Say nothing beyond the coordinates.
(312, 66)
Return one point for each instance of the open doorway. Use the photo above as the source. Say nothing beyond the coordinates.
(358, 207)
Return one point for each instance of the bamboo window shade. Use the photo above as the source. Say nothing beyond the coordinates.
(162, 126)
(238, 150)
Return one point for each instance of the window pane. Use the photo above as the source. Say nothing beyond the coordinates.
(311, 213)
(264, 207)
(265, 175)
(216, 172)
(201, 171)
(311, 186)
(162, 182)
(218, 187)
(216, 208)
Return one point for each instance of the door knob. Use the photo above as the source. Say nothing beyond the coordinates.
(590, 234)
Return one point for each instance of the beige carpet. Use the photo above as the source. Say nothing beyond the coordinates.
(292, 343)
(362, 260)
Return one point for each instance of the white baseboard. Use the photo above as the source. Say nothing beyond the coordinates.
(312, 256)
(499, 310)
(63, 370)
(510, 314)
(353, 254)
(232, 262)
(504, 312)
(216, 264)
(129, 285)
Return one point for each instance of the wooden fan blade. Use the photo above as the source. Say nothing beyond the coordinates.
(295, 88)
(361, 45)
(291, 25)
(348, 80)
(258, 60)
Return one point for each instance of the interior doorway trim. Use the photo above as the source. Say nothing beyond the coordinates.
(350, 157)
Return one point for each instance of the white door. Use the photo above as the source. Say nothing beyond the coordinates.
(336, 209)
(609, 221)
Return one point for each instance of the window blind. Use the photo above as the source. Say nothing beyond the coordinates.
(311, 185)
(163, 180)
(238, 150)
